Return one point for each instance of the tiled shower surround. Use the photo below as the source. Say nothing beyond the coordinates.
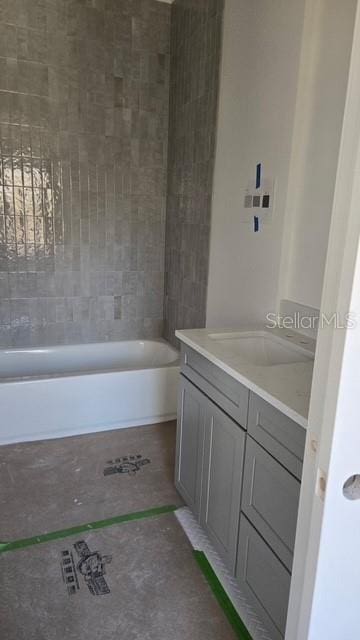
(194, 78)
(84, 89)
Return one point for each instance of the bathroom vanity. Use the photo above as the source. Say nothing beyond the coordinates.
(242, 410)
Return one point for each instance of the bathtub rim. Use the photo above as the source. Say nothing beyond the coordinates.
(88, 344)
(88, 372)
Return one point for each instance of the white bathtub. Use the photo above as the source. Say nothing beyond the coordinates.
(51, 392)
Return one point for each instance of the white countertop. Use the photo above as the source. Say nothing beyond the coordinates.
(286, 386)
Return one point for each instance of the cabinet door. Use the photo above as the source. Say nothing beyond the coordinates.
(189, 444)
(222, 477)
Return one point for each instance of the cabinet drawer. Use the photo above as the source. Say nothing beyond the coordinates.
(226, 392)
(264, 579)
(278, 434)
(270, 500)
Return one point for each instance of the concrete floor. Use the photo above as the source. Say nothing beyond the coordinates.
(152, 587)
(56, 484)
(156, 591)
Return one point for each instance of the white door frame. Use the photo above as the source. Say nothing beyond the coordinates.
(325, 591)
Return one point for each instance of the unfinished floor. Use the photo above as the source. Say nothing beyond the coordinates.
(61, 483)
(133, 580)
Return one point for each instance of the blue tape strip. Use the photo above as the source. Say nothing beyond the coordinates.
(256, 224)
(258, 175)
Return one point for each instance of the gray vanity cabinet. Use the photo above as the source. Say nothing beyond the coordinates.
(190, 443)
(209, 464)
(238, 467)
(222, 477)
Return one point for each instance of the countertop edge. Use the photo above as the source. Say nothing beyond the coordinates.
(247, 382)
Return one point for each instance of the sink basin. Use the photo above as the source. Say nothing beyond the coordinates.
(260, 348)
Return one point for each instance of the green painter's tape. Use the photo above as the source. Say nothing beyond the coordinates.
(222, 597)
(82, 528)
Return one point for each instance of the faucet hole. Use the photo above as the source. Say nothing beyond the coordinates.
(304, 342)
(351, 488)
(289, 335)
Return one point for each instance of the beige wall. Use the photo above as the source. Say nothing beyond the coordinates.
(283, 81)
(261, 52)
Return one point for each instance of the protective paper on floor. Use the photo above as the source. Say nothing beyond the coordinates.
(56, 484)
(200, 541)
(135, 580)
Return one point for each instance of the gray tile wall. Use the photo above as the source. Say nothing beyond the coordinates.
(83, 124)
(196, 27)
